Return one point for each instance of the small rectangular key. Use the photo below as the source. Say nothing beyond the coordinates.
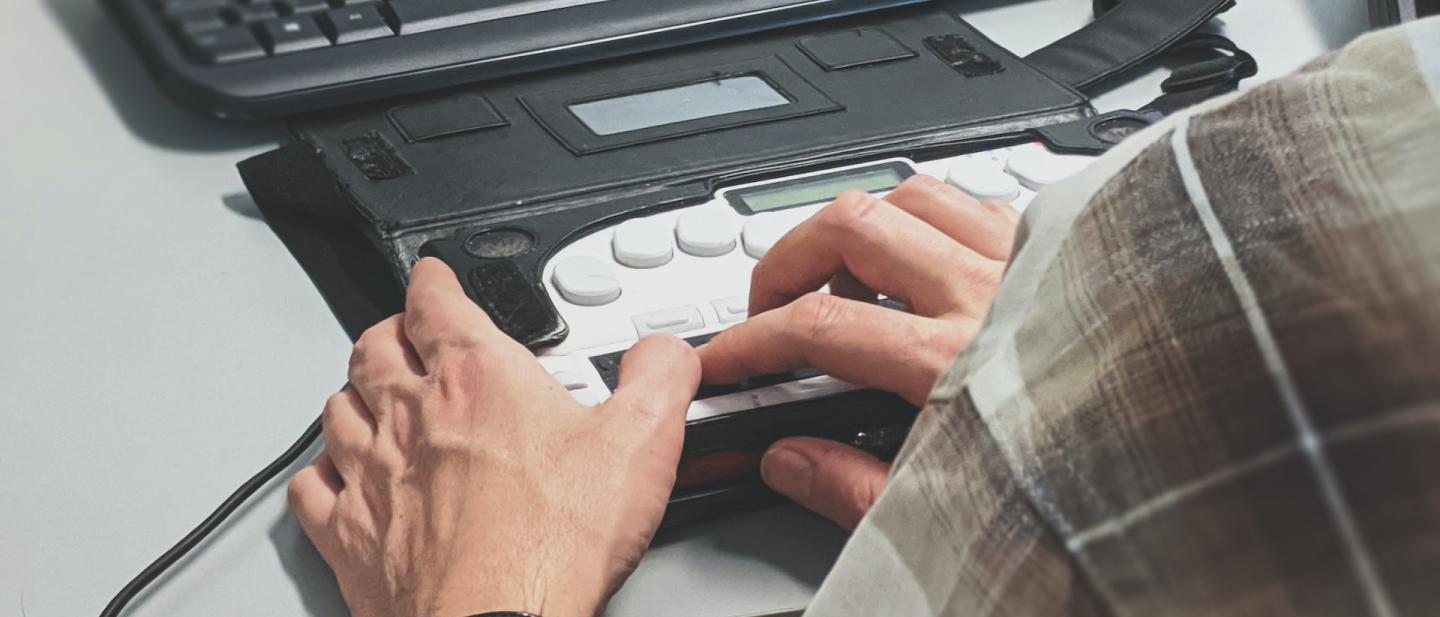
(289, 35)
(350, 25)
(225, 46)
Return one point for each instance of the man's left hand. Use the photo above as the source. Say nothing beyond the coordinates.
(459, 478)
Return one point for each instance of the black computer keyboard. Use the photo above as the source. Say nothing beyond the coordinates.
(223, 31)
(276, 57)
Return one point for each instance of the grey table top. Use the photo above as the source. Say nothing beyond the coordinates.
(158, 344)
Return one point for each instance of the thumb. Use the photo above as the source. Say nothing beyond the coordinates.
(658, 378)
(834, 480)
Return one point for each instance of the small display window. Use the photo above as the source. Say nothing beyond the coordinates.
(706, 99)
(818, 189)
(601, 115)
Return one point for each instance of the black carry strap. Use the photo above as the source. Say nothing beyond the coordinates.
(1216, 67)
(1220, 67)
(1124, 35)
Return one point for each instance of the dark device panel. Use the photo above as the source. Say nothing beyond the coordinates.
(532, 162)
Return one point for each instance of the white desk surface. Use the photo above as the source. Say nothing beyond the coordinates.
(158, 344)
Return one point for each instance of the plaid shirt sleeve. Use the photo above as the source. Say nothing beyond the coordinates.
(1210, 384)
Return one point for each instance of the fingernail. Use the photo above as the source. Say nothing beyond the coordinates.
(788, 472)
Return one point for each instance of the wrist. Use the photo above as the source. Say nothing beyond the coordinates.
(542, 600)
(505, 614)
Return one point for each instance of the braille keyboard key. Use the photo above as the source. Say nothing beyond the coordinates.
(705, 232)
(349, 25)
(763, 230)
(225, 46)
(292, 34)
(983, 179)
(586, 281)
(732, 309)
(1036, 168)
(639, 243)
(570, 380)
(669, 321)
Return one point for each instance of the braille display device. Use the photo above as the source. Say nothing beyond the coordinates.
(599, 170)
(586, 207)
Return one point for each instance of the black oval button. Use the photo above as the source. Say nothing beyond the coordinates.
(499, 244)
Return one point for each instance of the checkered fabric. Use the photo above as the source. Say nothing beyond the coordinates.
(1210, 384)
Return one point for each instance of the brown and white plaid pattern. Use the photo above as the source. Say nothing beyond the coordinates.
(1211, 382)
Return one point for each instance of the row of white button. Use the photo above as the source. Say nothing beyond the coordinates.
(688, 318)
(1033, 168)
(640, 243)
(708, 232)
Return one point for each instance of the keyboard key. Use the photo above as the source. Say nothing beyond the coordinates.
(570, 380)
(763, 230)
(225, 46)
(172, 8)
(253, 13)
(199, 21)
(586, 281)
(983, 180)
(350, 25)
(585, 397)
(413, 16)
(732, 309)
(295, 7)
(705, 233)
(283, 36)
(1037, 168)
(642, 244)
(669, 321)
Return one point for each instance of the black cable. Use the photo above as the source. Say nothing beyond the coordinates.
(211, 523)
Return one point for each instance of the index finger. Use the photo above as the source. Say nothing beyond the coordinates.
(886, 248)
(986, 227)
(438, 314)
(864, 344)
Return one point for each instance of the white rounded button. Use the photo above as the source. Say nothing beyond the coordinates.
(570, 380)
(763, 230)
(1037, 168)
(586, 281)
(642, 244)
(983, 179)
(705, 233)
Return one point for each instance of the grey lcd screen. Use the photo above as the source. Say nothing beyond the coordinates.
(633, 112)
(821, 190)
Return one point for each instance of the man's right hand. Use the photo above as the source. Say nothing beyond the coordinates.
(928, 245)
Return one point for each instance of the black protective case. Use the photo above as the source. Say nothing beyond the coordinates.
(365, 191)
